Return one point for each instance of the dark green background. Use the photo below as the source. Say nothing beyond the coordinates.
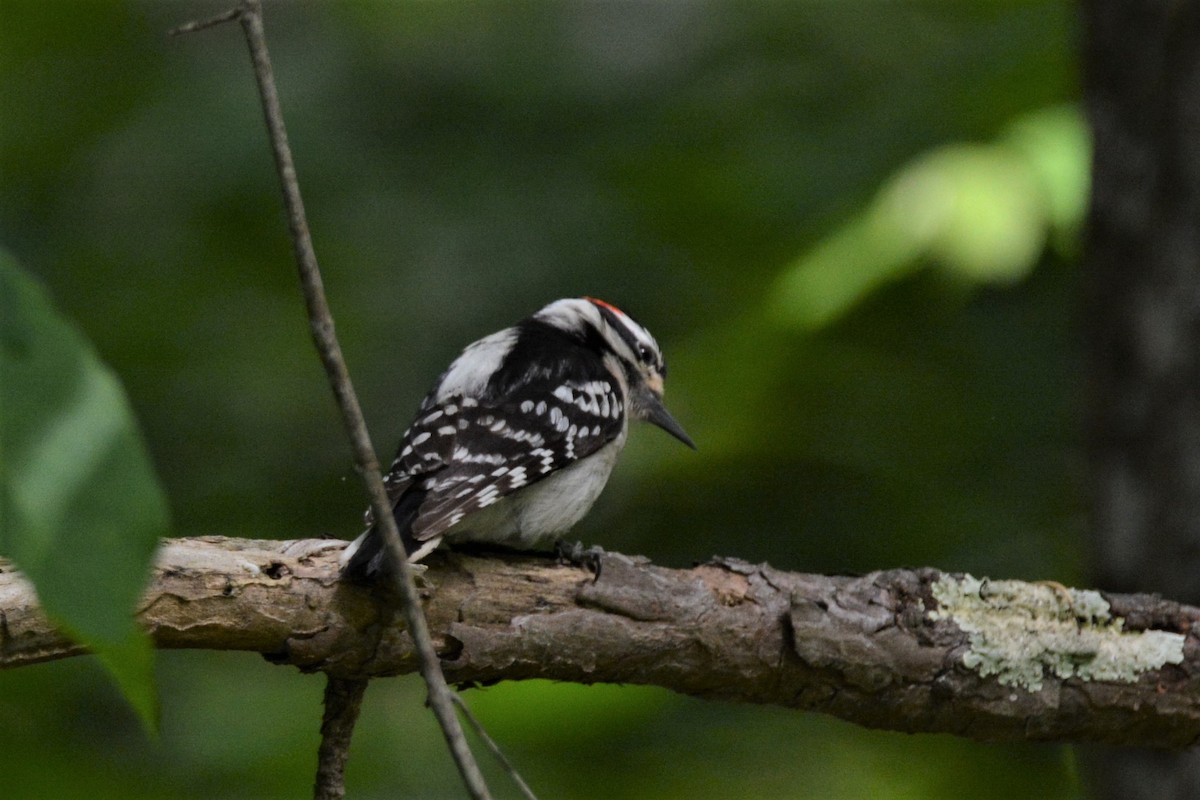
(463, 164)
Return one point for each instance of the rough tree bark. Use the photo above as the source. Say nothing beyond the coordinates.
(1142, 273)
(910, 650)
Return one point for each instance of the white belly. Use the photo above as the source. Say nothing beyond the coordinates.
(534, 517)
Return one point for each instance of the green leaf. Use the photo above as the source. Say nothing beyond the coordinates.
(982, 213)
(81, 510)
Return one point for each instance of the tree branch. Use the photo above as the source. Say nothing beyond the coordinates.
(910, 650)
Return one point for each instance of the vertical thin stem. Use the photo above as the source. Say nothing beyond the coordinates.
(343, 699)
(494, 748)
(249, 14)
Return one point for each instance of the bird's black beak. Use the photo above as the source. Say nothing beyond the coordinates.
(657, 413)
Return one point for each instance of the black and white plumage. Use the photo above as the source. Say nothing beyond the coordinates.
(519, 435)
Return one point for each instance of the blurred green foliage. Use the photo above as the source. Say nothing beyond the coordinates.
(984, 213)
(851, 225)
(80, 509)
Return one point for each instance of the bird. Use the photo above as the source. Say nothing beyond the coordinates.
(518, 437)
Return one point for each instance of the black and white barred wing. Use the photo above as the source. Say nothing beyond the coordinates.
(492, 451)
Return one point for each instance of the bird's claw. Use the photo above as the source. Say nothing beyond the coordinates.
(576, 555)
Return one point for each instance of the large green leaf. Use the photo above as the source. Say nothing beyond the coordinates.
(80, 507)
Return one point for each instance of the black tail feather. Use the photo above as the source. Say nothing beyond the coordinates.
(370, 561)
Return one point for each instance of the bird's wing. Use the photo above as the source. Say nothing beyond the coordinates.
(465, 454)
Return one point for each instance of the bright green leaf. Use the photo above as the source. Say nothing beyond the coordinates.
(834, 276)
(1057, 146)
(81, 510)
(976, 208)
(980, 212)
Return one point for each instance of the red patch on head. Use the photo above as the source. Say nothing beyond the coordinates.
(609, 306)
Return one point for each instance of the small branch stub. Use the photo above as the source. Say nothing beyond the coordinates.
(343, 699)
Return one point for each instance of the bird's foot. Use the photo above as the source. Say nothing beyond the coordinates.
(576, 555)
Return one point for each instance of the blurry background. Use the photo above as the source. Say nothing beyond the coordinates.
(852, 226)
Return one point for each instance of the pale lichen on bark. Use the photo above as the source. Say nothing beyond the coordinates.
(1020, 631)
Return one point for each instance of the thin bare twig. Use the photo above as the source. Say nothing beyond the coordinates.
(249, 14)
(343, 699)
(202, 24)
(493, 747)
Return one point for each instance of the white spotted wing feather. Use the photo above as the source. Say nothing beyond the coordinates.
(476, 464)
